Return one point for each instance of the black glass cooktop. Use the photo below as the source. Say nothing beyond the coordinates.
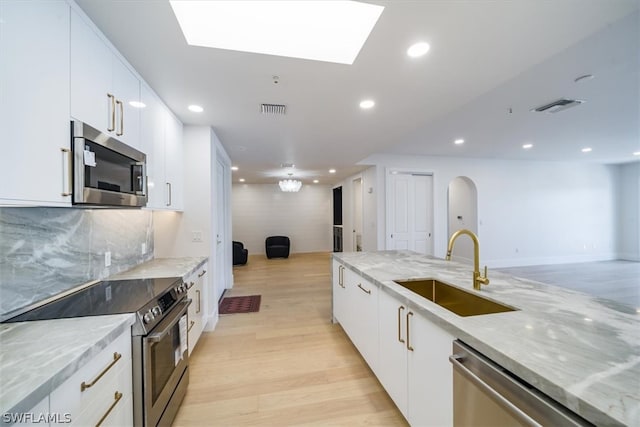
(106, 297)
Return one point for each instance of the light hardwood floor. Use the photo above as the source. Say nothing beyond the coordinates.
(287, 364)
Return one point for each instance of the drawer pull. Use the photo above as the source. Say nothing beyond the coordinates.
(203, 273)
(365, 290)
(117, 398)
(191, 326)
(190, 285)
(84, 385)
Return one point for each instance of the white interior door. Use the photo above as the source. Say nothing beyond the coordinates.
(221, 237)
(410, 212)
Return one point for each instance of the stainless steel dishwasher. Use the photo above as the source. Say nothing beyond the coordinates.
(485, 394)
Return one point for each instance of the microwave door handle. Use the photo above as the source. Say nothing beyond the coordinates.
(142, 179)
(172, 320)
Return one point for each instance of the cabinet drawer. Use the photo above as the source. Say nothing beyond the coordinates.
(103, 374)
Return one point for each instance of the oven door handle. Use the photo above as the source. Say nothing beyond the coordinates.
(169, 322)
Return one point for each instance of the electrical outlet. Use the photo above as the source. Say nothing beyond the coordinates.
(107, 258)
(144, 248)
(196, 236)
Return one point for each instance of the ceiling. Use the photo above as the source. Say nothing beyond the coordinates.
(490, 63)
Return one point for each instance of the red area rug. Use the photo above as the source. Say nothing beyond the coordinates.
(246, 304)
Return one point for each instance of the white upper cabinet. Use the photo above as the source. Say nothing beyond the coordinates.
(102, 87)
(161, 139)
(174, 159)
(34, 103)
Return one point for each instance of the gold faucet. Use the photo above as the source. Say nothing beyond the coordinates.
(477, 278)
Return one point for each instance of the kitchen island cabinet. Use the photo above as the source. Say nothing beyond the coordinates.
(414, 366)
(357, 302)
(578, 350)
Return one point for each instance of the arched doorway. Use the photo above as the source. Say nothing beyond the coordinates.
(462, 212)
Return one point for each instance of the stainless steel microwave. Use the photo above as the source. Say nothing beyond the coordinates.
(106, 172)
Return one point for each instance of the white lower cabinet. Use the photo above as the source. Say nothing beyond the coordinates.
(196, 283)
(356, 309)
(414, 364)
(100, 392)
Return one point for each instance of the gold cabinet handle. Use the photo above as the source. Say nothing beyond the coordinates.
(409, 314)
(400, 310)
(119, 103)
(84, 385)
(198, 299)
(112, 125)
(66, 152)
(203, 273)
(117, 398)
(365, 290)
(191, 325)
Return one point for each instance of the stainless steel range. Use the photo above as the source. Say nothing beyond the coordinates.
(159, 337)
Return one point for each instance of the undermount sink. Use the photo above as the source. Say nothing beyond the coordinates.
(456, 300)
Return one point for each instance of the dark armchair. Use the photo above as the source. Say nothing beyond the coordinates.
(277, 246)
(239, 254)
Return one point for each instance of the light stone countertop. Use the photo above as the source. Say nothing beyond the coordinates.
(162, 267)
(573, 347)
(37, 357)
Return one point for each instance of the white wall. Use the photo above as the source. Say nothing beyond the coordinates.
(629, 212)
(528, 212)
(262, 210)
(462, 199)
(370, 196)
(174, 231)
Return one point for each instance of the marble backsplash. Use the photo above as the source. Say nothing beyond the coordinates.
(45, 251)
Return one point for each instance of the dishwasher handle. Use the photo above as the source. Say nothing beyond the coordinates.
(457, 359)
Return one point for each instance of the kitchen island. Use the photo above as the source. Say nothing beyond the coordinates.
(571, 346)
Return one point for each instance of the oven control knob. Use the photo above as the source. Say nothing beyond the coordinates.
(182, 288)
(148, 317)
(156, 311)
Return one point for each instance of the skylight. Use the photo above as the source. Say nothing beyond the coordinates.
(331, 31)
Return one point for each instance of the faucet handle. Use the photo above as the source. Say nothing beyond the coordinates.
(484, 279)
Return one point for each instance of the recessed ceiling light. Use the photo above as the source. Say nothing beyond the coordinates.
(137, 104)
(418, 49)
(527, 146)
(241, 180)
(196, 108)
(367, 103)
(234, 168)
(315, 181)
(332, 171)
(332, 31)
(586, 150)
(458, 141)
(637, 153)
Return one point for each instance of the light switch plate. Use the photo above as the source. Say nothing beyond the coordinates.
(144, 248)
(107, 258)
(196, 236)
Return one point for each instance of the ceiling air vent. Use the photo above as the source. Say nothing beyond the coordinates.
(273, 109)
(557, 106)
